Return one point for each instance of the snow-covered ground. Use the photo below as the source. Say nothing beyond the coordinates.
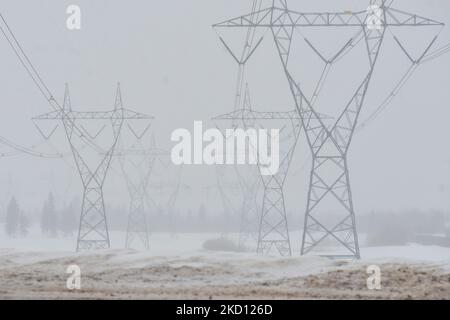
(179, 267)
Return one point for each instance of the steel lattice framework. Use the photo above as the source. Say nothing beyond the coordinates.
(249, 204)
(137, 227)
(171, 208)
(273, 232)
(250, 210)
(329, 144)
(93, 229)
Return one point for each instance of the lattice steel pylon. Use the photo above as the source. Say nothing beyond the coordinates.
(250, 182)
(93, 228)
(250, 210)
(329, 143)
(173, 229)
(229, 209)
(137, 226)
(273, 231)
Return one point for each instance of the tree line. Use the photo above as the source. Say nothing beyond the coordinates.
(53, 222)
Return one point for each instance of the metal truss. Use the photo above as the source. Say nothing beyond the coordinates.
(172, 187)
(137, 227)
(93, 229)
(273, 232)
(223, 188)
(250, 184)
(171, 207)
(250, 210)
(280, 16)
(329, 144)
(137, 222)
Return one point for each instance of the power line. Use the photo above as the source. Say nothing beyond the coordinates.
(37, 79)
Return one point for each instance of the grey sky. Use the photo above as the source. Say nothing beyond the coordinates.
(172, 66)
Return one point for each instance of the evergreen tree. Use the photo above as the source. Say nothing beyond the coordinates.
(12, 217)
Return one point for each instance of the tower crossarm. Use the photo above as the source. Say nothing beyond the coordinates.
(147, 152)
(125, 114)
(259, 115)
(282, 17)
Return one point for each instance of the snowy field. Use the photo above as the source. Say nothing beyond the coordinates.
(179, 268)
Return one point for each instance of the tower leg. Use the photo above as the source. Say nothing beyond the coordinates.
(273, 230)
(137, 224)
(329, 184)
(93, 231)
(247, 232)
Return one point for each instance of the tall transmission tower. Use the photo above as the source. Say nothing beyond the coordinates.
(93, 229)
(222, 188)
(137, 228)
(247, 208)
(250, 210)
(141, 161)
(171, 207)
(329, 143)
(170, 188)
(250, 181)
(273, 233)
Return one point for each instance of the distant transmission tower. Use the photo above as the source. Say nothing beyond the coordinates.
(173, 229)
(137, 227)
(250, 183)
(250, 210)
(329, 143)
(141, 161)
(93, 230)
(273, 233)
(222, 188)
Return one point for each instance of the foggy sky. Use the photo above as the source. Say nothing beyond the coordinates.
(172, 66)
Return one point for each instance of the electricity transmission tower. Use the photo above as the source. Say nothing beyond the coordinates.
(137, 222)
(250, 210)
(250, 182)
(172, 187)
(171, 207)
(273, 233)
(222, 188)
(93, 229)
(329, 142)
(141, 161)
(227, 205)
(247, 210)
